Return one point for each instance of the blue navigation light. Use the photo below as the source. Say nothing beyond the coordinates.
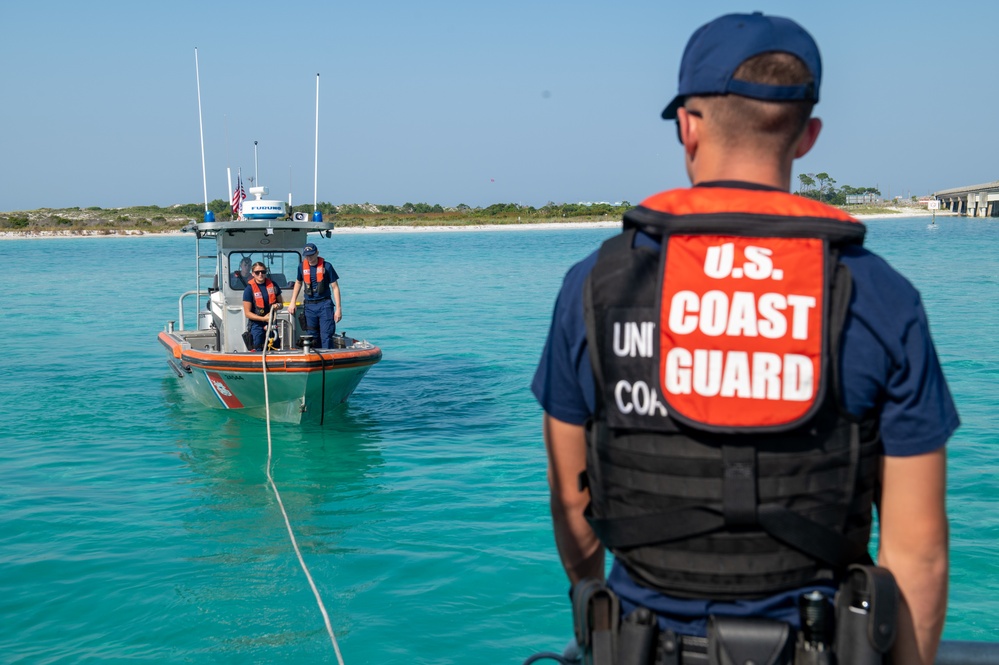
(317, 215)
(209, 216)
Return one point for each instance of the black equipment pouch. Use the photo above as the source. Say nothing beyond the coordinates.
(596, 613)
(740, 640)
(248, 340)
(866, 615)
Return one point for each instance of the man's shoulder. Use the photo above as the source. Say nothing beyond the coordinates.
(571, 292)
(581, 269)
(875, 281)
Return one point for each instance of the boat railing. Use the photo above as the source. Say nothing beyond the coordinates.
(951, 652)
(956, 652)
(180, 304)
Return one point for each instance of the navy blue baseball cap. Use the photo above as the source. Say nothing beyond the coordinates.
(309, 250)
(717, 49)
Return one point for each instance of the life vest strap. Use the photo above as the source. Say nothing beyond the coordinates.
(823, 544)
(739, 487)
(651, 529)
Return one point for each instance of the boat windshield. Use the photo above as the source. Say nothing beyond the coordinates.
(282, 267)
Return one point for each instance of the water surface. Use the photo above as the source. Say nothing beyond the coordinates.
(137, 525)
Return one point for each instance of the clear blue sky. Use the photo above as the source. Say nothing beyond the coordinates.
(456, 101)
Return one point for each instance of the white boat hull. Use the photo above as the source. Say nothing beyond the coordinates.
(300, 387)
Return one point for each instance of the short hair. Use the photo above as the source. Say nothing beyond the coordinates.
(762, 125)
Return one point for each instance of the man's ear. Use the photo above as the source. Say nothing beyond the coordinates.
(689, 127)
(808, 137)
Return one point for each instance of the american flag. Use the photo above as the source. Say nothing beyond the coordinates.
(238, 196)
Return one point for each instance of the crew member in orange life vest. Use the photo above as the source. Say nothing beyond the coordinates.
(258, 297)
(777, 332)
(317, 280)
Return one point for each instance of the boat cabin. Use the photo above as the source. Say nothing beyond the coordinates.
(270, 237)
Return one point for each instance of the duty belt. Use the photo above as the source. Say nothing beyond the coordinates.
(860, 629)
(313, 302)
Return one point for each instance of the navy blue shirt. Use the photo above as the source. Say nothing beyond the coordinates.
(322, 289)
(888, 366)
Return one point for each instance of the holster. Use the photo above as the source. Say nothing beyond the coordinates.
(248, 340)
(866, 615)
(637, 639)
(596, 614)
(740, 640)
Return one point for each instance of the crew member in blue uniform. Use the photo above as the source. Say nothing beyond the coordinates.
(259, 296)
(317, 281)
(747, 86)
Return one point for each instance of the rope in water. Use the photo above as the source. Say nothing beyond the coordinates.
(277, 495)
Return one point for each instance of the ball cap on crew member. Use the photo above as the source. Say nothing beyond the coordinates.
(309, 250)
(717, 49)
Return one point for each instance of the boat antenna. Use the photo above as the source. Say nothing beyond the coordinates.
(315, 177)
(209, 216)
(228, 169)
(256, 174)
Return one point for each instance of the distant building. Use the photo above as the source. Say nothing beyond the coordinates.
(861, 199)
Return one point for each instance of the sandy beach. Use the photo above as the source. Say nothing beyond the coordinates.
(134, 233)
(38, 235)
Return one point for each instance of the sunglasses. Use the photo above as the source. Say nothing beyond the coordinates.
(696, 114)
(259, 272)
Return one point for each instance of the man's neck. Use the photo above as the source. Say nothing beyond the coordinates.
(755, 176)
(715, 165)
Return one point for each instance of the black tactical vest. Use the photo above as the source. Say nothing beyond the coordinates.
(709, 510)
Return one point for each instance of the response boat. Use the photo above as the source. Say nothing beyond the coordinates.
(211, 359)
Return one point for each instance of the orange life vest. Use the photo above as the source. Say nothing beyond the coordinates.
(307, 275)
(261, 303)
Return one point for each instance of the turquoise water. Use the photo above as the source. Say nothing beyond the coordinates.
(136, 525)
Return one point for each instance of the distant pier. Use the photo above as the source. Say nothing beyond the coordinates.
(972, 200)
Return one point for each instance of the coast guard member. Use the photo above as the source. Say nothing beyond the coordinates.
(258, 297)
(732, 382)
(317, 280)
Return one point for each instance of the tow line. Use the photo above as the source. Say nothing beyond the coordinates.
(277, 495)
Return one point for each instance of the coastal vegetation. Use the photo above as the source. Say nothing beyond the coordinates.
(95, 220)
(822, 187)
(155, 219)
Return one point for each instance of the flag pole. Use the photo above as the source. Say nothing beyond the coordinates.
(228, 169)
(238, 195)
